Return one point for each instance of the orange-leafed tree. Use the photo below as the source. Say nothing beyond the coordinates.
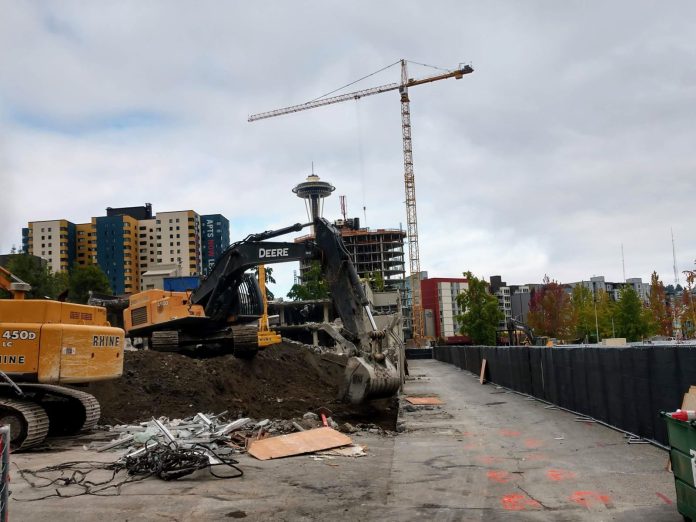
(659, 307)
(688, 307)
(550, 310)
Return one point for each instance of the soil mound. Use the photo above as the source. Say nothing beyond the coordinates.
(282, 382)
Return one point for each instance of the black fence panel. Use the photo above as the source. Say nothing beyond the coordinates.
(419, 353)
(626, 387)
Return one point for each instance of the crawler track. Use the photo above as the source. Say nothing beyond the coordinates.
(46, 409)
(28, 422)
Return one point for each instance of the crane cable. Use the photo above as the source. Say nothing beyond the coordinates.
(356, 81)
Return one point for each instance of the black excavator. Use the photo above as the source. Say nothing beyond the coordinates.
(221, 315)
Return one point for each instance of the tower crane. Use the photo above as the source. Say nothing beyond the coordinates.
(409, 177)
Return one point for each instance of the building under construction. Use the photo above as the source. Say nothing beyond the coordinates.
(375, 253)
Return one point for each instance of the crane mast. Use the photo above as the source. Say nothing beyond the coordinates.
(417, 326)
(409, 176)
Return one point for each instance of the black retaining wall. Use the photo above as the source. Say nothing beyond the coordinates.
(625, 387)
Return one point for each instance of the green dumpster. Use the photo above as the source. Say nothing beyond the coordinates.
(682, 439)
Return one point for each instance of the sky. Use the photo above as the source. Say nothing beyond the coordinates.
(573, 138)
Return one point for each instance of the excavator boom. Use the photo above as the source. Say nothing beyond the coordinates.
(220, 315)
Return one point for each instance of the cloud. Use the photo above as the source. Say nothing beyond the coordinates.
(573, 136)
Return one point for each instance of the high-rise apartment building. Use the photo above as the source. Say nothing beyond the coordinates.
(53, 241)
(128, 242)
(215, 237)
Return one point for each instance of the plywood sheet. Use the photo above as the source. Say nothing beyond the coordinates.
(298, 443)
(689, 402)
(427, 401)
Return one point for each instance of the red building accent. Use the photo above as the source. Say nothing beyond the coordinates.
(431, 301)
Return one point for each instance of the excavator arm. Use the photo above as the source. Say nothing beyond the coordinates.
(13, 284)
(228, 297)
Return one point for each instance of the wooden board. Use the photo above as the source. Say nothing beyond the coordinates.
(689, 402)
(482, 376)
(425, 401)
(307, 441)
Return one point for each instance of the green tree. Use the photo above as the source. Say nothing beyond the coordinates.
(480, 313)
(606, 313)
(313, 285)
(582, 302)
(31, 270)
(269, 280)
(632, 320)
(84, 279)
(376, 280)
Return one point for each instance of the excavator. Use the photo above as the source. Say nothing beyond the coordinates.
(44, 344)
(222, 314)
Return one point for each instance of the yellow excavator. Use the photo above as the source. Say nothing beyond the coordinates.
(223, 314)
(45, 343)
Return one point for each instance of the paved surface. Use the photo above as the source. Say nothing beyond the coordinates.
(483, 455)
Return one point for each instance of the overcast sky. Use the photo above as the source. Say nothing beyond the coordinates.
(575, 134)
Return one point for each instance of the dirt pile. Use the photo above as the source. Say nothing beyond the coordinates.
(282, 382)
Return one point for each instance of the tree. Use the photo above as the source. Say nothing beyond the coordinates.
(583, 320)
(313, 285)
(84, 279)
(606, 312)
(269, 280)
(550, 311)
(480, 313)
(376, 281)
(38, 274)
(688, 307)
(632, 320)
(659, 307)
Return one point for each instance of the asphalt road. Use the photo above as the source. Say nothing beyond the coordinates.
(484, 454)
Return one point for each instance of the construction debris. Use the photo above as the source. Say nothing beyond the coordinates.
(424, 401)
(309, 441)
(282, 383)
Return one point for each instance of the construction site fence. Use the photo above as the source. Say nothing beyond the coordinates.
(624, 387)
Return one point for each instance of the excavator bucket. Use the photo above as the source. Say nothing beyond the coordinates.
(366, 379)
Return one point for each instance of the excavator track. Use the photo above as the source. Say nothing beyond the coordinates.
(246, 340)
(28, 422)
(165, 341)
(68, 411)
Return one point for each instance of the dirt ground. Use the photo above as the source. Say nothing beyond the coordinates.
(282, 382)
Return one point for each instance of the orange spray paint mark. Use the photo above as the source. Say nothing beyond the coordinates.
(533, 457)
(664, 498)
(509, 433)
(517, 502)
(533, 443)
(590, 498)
(487, 460)
(471, 446)
(501, 477)
(558, 475)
